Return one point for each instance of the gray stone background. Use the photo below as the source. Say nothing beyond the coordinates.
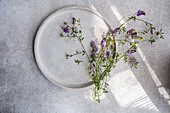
(24, 89)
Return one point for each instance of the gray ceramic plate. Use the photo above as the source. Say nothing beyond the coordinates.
(50, 49)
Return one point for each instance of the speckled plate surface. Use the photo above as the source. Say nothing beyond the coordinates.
(50, 49)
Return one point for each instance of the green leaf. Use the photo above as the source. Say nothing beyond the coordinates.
(151, 40)
(109, 70)
(83, 52)
(61, 35)
(77, 52)
(125, 58)
(121, 43)
(105, 91)
(77, 61)
(67, 55)
(134, 18)
(152, 28)
(119, 31)
(98, 100)
(93, 65)
(145, 31)
(106, 84)
(113, 66)
(147, 24)
(82, 38)
(162, 36)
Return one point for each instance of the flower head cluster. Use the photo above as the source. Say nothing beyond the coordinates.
(95, 49)
(132, 60)
(66, 30)
(132, 32)
(140, 12)
(104, 52)
(103, 43)
(93, 45)
(74, 21)
(131, 51)
(108, 54)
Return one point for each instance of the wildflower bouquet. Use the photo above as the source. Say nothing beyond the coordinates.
(104, 58)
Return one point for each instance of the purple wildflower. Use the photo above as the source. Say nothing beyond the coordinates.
(132, 32)
(140, 12)
(74, 21)
(93, 45)
(131, 51)
(133, 60)
(115, 31)
(66, 30)
(94, 55)
(103, 42)
(108, 54)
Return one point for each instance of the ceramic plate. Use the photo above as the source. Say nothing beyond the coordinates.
(50, 49)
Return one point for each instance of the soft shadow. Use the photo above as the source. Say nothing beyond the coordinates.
(142, 76)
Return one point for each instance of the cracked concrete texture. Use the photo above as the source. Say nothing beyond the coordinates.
(23, 88)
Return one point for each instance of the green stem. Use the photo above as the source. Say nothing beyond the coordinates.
(74, 54)
(84, 48)
(147, 39)
(136, 19)
(126, 21)
(70, 36)
(85, 63)
(143, 21)
(137, 43)
(99, 58)
(82, 43)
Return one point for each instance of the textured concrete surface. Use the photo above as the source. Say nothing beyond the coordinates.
(23, 88)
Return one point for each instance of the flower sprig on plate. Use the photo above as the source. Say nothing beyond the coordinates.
(104, 57)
